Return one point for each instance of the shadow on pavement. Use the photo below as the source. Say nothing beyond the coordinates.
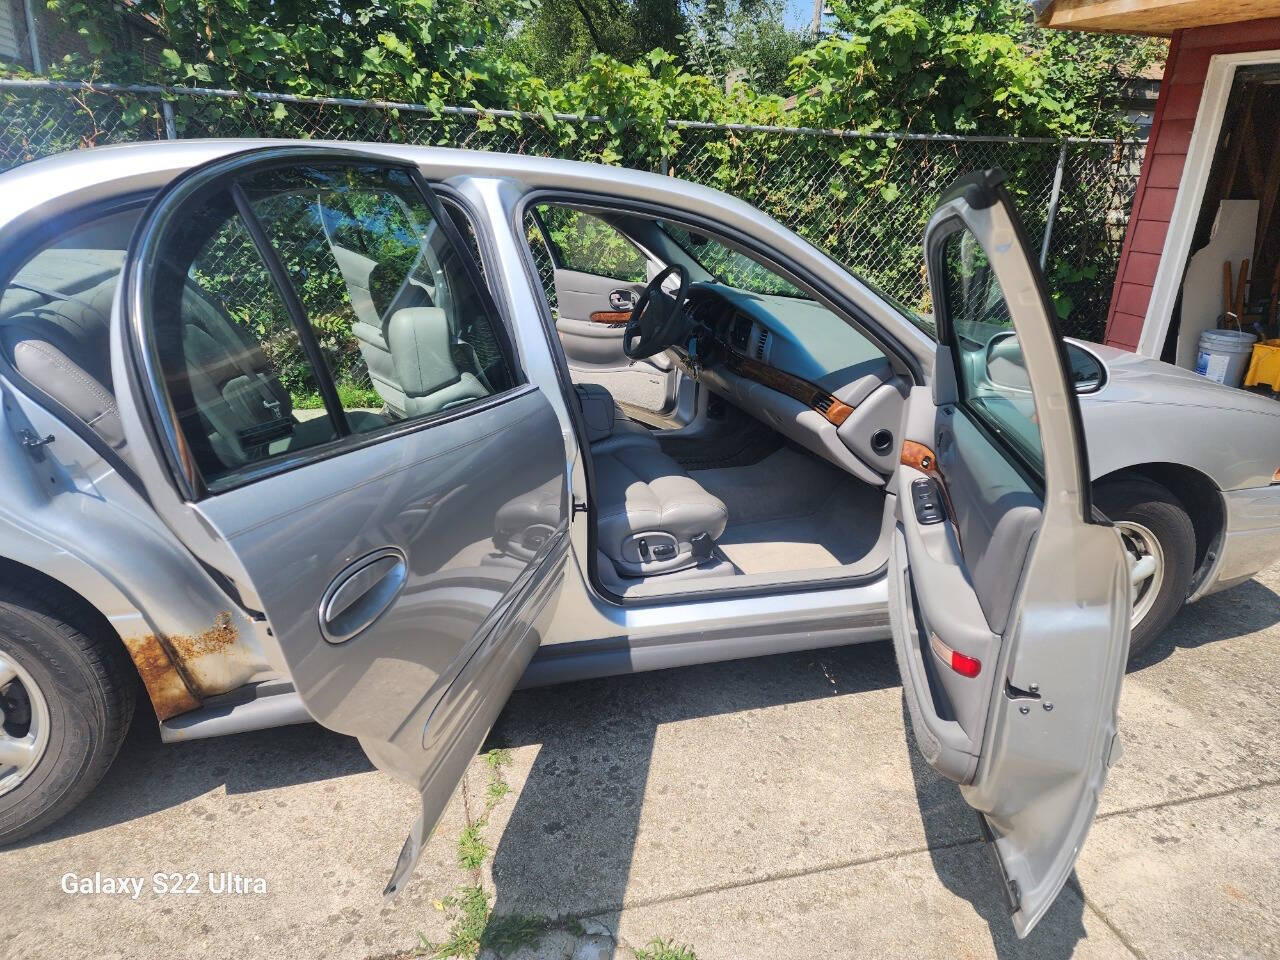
(1247, 608)
(572, 837)
(149, 776)
(965, 869)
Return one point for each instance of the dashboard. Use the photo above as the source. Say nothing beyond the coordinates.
(798, 368)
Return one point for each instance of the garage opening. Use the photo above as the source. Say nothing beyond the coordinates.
(1226, 320)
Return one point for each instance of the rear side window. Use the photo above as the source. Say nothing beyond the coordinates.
(233, 361)
(361, 313)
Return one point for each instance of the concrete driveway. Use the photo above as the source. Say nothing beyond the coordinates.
(765, 808)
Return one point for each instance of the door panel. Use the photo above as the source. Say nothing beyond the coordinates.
(588, 319)
(1009, 601)
(403, 567)
(590, 325)
(597, 274)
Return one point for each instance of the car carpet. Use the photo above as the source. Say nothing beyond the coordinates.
(793, 511)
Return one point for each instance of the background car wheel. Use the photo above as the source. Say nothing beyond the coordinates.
(67, 693)
(1161, 543)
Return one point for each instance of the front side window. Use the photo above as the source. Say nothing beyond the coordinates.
(587, 244)
(986, 347)
(362, 313)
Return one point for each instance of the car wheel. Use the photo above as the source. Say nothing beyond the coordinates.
(67, 693)
(1161, 543)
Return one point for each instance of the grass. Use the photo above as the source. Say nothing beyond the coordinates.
(658, 949)
(498, 787)
(494, 793)
(472, 848)
(351, 396)
(475, 927)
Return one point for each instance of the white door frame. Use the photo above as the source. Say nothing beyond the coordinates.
(1186, 206)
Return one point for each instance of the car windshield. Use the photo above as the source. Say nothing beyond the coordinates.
(736, 269)
(729, 266)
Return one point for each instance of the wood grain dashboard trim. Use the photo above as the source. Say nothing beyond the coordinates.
(811, 395)
(612, 318)
(920, 457)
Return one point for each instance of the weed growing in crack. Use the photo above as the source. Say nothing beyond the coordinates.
(475, 928)
(472, 848)
(498, 758)
(659, 949)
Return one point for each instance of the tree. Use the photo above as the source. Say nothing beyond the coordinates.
(961, 67)
(744, 40)
(421, 50)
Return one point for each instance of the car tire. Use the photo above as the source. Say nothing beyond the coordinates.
(1154, 525)
(71, 728)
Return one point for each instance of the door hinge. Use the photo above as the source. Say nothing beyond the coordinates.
(580, 506)
(33, 444)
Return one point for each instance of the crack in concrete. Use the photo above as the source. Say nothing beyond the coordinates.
(1180, 801)
(619, 906)
(1125, 941)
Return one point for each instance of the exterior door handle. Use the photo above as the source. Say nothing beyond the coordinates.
(362, 593)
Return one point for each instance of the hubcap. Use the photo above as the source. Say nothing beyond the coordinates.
(1146, 566)
(24, 723)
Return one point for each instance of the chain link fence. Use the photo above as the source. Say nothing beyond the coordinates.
(864, 198)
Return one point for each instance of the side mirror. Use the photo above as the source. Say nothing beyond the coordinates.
(1005, 367)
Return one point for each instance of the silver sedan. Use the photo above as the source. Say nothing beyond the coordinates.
(370, 435)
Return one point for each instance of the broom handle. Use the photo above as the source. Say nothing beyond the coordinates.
(1244, 279)
(1228, 301)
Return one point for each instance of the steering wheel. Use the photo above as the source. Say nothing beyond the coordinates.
(655, 318)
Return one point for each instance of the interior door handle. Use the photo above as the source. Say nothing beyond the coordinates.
(362, 593)
(622, 299)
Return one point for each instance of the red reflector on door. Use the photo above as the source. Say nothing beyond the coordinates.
(965, 666)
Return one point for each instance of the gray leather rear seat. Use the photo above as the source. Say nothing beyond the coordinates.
(63, 348)
(651, 516)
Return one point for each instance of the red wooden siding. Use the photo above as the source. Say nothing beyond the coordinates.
(1175, 115)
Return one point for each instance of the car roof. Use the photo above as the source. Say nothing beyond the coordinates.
(79, 177)
(34, 195)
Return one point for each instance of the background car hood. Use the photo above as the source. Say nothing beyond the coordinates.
(1133, 377)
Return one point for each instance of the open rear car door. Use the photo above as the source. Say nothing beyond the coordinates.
(402, 545)
(1009, 596)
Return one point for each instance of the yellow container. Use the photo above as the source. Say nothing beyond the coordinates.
(1264, 365)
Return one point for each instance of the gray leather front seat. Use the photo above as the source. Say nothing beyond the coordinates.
(651, 516)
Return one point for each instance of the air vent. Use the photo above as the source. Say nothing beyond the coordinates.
(762, 344)
(740, 332)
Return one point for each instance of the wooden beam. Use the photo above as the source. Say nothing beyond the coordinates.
(1268, 201)
(1154, 17)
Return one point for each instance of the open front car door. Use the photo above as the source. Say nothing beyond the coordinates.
(323, 403)
(1009, 596)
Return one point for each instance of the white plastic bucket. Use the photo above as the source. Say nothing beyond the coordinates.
(1224, 355)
